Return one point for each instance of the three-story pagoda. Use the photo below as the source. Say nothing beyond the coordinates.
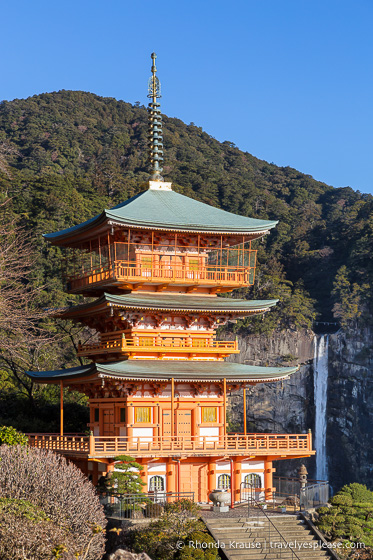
(157, 382)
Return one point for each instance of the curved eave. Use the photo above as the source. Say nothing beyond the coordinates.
(175, 212)
(101, 223)
(164, 371)
(182, 304)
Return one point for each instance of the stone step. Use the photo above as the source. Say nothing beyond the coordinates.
(246, 555)
(259, 553)
(264, 538)
(263, 528)
(249, 538)
(221, 523)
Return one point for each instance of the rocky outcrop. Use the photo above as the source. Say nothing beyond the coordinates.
(289, 406)
(282, 407)
(350, 408)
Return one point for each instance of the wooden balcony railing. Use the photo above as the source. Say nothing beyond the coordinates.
(133, 272)
(233, 444)
(154, 344)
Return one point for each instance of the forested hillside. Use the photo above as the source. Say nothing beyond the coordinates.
(75, 153)
(65, 156)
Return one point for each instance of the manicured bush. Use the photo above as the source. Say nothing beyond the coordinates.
(61, 504)
(351, 516)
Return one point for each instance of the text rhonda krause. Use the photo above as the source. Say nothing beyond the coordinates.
(279, 545)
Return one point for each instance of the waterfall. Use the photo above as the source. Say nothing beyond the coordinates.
(320, 376)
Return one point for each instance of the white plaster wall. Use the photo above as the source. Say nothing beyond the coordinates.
(157, 467)
(252, 465)
(144, 434)
(211, 434)
(224, 466)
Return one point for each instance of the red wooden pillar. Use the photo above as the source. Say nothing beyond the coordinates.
(61, 408)
(268, 479)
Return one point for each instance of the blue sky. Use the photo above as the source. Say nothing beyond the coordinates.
(289, 81)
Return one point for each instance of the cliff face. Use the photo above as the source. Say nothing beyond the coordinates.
(350, 408)
(289, 406)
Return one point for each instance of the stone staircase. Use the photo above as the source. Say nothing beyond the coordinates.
(256, 538)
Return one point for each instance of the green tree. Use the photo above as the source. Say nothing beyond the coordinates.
(349, 304)
(128, 481)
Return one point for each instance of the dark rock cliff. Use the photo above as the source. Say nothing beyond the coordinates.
(289, 407)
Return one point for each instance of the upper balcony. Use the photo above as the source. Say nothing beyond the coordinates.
(188, 266)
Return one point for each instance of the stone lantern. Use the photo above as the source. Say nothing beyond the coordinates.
(302, 476)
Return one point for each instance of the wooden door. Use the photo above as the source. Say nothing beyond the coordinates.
(186, 478)
(200, 474)
(193, 478)
(166, 423)
(172, 266)
(108, 422)
(184, 423)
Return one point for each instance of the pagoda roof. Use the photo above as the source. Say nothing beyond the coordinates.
(172, 302)
(168, 211)
(164, 370)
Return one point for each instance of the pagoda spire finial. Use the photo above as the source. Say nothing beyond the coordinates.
(155, 136)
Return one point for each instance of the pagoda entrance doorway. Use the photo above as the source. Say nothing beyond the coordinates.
(193, 478)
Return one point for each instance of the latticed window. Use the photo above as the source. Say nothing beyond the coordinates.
(193, 264)
(253, 480)
(146, 262)
(156, 484)
(224, 481)
(209, 414)
(142, 414)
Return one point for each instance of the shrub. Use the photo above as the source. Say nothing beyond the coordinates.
(10, 436)
(183, 507)
(159, 539)
(153, 510)
(349, 518)
(341, 500)
(58, 490)
(27, 532)
(208, 550)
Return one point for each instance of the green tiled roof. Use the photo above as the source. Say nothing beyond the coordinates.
(175, 303)
(163, 370)
(169, 210)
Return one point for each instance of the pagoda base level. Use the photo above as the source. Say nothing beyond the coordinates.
(198, 476)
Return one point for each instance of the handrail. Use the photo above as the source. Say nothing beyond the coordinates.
(154, 343)
(270, 523)
(109, 445)
(121, 269)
